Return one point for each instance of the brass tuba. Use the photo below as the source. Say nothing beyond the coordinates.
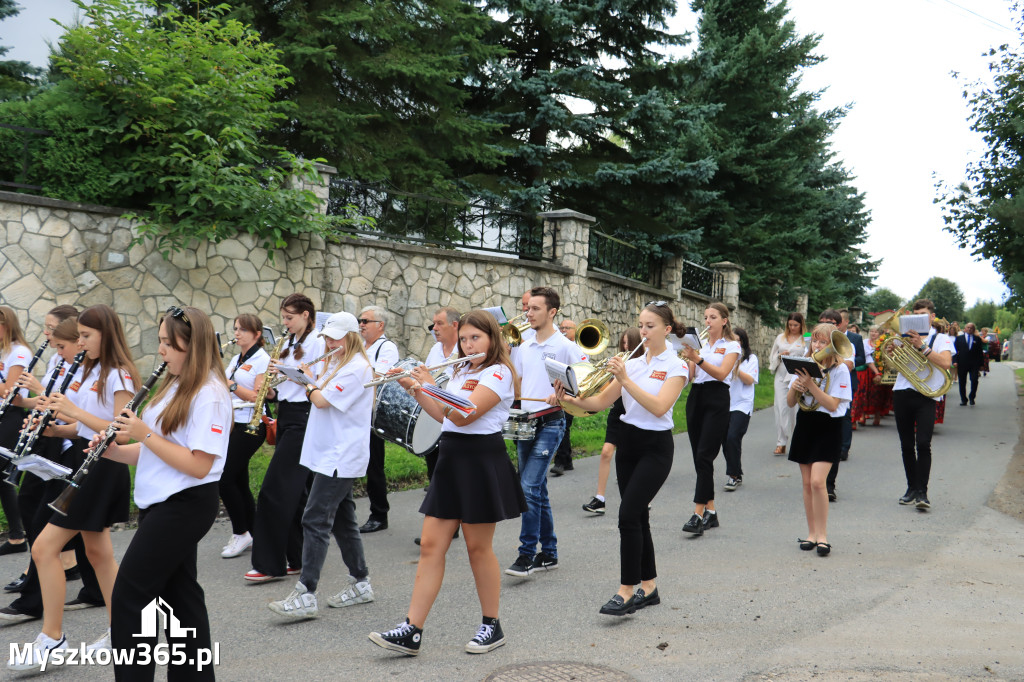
(593, 336)
(909, 361)
(838, 346)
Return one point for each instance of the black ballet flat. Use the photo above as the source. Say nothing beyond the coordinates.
(824, 548)
(807, 545)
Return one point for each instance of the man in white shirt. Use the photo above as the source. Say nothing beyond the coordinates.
(446, 330)
(535, 455)
(383, 354)
(563, 457)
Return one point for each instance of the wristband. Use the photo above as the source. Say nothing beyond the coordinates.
(148, 435)
(700, 362)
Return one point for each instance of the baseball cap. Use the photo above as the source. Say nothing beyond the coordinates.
(339, 324)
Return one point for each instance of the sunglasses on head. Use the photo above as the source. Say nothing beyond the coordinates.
(179, 313)
(657, 304)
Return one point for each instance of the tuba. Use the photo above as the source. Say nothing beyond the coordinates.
(838, 346)
(593, 336)
(909, 361)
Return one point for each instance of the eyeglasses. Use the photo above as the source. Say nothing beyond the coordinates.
(179, 313)
(365, 321)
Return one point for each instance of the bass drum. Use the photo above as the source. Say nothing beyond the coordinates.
(399, 419)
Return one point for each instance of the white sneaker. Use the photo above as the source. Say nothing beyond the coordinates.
(357, 592)
(301, 603)
(236, 545)
(101, 644)
(39, 649)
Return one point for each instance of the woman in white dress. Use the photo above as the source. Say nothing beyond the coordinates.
(789, 342)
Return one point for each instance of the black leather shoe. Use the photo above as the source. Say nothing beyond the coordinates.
(909, 497)
(11, 548)
(644, 600)
(16, 584)
(695, 525)
(824, 548)
(963, 403)
(709, 520)
(72, 574)
(807, 545)
(972, 402)
(557, 470)
(845, 455)
(617, 606)
(373, 525)
(922, 501)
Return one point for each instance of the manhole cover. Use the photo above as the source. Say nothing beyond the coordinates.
(556, 671)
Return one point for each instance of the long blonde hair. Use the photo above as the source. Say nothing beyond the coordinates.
(353, 347)
(824, 330)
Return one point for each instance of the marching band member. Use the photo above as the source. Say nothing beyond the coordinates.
(181, 443)
(446, 329)
(277, 529)
(102, 500)
(383, 353)
(475, 486)
(336, 449)
(741, 405)
(818, 435)
(707, 410)
(649, 386)
(14, 358)
(245, 371)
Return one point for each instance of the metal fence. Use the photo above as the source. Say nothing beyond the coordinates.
(698, 279)
(17, 175)
(618, 257)
(482, 226)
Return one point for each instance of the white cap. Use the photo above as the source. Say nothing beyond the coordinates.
(339, 324)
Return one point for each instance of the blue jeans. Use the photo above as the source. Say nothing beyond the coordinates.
(534, 457)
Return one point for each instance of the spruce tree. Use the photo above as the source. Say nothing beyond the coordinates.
(16, 77)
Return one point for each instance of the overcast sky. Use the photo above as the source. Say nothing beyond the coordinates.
(892, 60)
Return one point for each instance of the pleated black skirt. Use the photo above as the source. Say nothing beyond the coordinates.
(817, 437)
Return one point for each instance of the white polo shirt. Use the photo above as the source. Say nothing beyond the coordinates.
(91, 392)
(941, 342)
(17, 356)
(61, 374)
(436, 356)
(337, 440)
(741, 396)
(207, 429)
(383, 354)
(715, 354)
(838, 387)
(245, 376)
(529, 364)
(650, 377)
(498, 379)
(312, 348)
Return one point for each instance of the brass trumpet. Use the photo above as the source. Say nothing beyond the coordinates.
(512, 332)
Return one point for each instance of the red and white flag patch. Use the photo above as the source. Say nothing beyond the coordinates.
(216, 428)
(339, 387)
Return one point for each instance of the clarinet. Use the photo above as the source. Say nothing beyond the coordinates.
(14, 390)
(63, 501)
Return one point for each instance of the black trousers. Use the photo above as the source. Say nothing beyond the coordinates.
(733, 446)
(157, 580)
(642, 464)
(234, 482)
(915, 422)
(563, 455)
(707, 422)
(962, 373)
(377, 481)
(277, 529)
(10, 427)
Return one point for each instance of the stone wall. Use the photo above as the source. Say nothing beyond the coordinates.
(54, 252)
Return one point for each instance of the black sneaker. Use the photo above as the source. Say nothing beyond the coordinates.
(521, 568)
(695, 525)
(488, 638)
(16, 584)
(404, 638)
(832, 497)
(617, 606)
(909, 497)
(543, 562)
(732, 483)
(922, 501)
(557, 470)
(644, 600)
(709, 520)
(595, 506)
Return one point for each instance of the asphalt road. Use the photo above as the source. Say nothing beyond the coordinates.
(905, 595)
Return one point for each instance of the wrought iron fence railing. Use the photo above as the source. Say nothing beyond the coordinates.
(618, 257)
(16, 169)
(701, 280)
(479, 225)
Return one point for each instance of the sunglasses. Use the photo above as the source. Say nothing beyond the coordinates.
(657, 304)
(365, 321)
(178, 313)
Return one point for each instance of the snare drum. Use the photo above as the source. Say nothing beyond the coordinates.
(519, 426)
(398, 418)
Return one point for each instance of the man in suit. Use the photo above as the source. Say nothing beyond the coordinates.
(969, 350)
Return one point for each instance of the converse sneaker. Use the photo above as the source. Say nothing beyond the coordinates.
(38, 652)
(543, 562)
(488, 638)
(521, 568)
(236, 545)
(595, 506)
(101, 644)
(732, 483)
(301, 603)
(357, 592)
(404, 638)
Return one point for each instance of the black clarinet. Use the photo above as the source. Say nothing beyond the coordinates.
(63, 501)
(14, 390)
(31, 433)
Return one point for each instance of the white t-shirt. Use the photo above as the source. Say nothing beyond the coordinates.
(651, 377)
(715, 354)
(741, 396)
(337, 440)
(497, 378)
(529, 364)
(255, 365)
(383, 354)
(91, 392)
(838, 386)
(61, 373)
(17, 356)
(207, 428)
(312, 348)
(942, 342)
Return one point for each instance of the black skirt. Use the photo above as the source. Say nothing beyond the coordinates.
(613, 430)
(817, 437)
(103, 497)
(474, 480)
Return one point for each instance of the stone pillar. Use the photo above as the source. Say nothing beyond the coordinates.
(321, 188)
(672, 275)
(801, 303)
(567, 239)
(731, 288)
(856, 315)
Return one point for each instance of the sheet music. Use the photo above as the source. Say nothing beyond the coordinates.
(559, 371)
(42, 467)
(916, 323)
(448, 398)
(295, 374)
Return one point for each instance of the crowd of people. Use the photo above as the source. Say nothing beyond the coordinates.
(193, 442)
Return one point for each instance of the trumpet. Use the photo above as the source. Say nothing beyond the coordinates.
(408, 373)
(512, 332)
